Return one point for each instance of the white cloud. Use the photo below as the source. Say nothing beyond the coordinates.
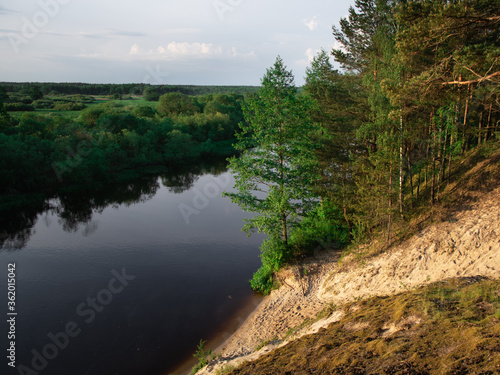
(310, 54)
(311, 23)
(173, 51)
(184, 51)
(134, 50)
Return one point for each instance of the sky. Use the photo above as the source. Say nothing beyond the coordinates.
(195, 42)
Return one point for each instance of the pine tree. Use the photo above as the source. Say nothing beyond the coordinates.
(275, 178)
(338, 114)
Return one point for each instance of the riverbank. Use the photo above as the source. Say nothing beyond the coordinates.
(466, 244)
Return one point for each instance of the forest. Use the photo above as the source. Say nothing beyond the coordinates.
(363, 149)
(74, 142)
(355, 152)
(125, 89)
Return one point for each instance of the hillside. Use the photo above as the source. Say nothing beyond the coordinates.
(441, 282)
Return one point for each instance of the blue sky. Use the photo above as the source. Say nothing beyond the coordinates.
(216, 42)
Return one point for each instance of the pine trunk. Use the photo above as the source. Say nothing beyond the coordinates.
(466, 112)
(401, 161)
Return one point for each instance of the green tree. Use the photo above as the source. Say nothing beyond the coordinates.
(337, 114)
(275, 179)
(5, 119)
(175, 103)
(151, 94)
(36, 93)
(144, 111)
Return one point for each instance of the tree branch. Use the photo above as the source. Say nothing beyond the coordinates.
(485, 78)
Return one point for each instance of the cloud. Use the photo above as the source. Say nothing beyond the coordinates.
(110, 34)
(134, 50)
(184, 51)
(182, 30)
(4, 10)
(311, 23)
(126, 33)
(310, 54)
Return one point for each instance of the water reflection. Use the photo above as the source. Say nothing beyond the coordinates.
(178, 182)
(75, 210)
(16, 226)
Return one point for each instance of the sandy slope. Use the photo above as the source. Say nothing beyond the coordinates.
(467, 245)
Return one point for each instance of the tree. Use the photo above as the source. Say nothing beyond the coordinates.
(151, 94)
(358, 33)
(175, 103)
(36, 93)
(5, 119)
(275, 179)
(338, 114)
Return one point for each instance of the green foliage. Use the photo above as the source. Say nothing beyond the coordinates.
(45, 151)
(19, 107)
(201, 355)
(69, 107)
(151, 94)
(321, 229)
(275, 179)
(423, 89)
(53, 89)
(36, 93)
(90, 115)
(273, 255)
(144, 111)
(175, 103)
(5, 120)
(43, 104)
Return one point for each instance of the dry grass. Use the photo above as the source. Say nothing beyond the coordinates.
(451, 327)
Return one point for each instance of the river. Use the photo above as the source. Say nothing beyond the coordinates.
(129, 280)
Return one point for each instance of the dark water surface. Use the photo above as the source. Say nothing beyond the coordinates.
(127, 281)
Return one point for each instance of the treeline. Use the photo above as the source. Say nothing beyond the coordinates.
(109, 142)
(420, 87)
(121, 89)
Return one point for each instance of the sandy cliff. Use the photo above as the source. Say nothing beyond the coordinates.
(466, 244)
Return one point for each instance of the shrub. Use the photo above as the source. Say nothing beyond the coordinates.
(18, 107)
(202, 356)
(144, 111)
(151, 94)
(273, 255)
(43, 104)
(69, 107)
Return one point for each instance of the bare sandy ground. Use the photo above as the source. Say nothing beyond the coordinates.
(466, 245)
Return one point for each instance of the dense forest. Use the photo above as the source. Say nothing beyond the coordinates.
(420, 87)
(417, 89)
(353, 153)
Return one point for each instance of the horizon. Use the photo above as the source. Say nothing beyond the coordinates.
(110, 83)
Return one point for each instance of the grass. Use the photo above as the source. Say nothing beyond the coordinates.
(451, 327)
(225, 370)
(131, 103)
(202, 355)
(265, 343)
